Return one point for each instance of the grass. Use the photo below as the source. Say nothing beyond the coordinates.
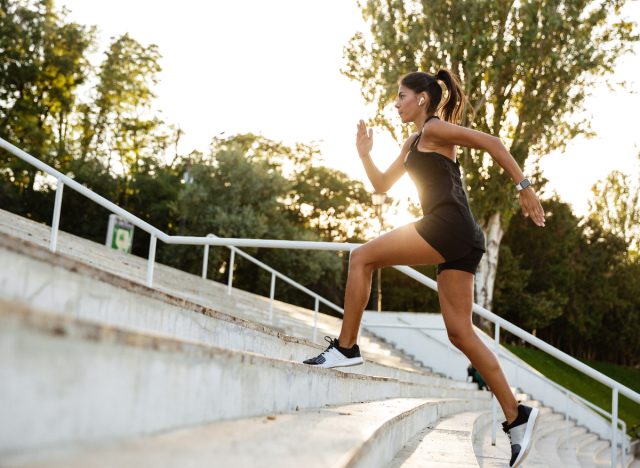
(585, 386)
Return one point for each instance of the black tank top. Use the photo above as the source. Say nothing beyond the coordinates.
(438, 180)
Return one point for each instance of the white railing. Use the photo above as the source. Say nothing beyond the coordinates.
(499, 323)
(274, 274)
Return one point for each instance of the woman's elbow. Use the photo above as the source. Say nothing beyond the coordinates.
(381, 185)
(493, 144)
(380, 188)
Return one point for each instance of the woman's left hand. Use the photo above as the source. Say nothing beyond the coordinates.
(531, 205)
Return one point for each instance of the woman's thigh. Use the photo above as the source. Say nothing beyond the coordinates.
(401, 246)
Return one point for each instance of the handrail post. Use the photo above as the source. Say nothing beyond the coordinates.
(494, 422)
(151, 260)
(205, 261)
(56, 216)
(614, 425)
(623, 446)
(230, 280)
(315, 320)
(272, 292)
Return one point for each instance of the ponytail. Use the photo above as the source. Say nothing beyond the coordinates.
(453, 108)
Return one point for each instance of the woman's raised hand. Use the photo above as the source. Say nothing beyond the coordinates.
(531, 206)
(364, 139)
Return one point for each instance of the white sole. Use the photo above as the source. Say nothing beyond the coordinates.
(528, 433)
(345, 363)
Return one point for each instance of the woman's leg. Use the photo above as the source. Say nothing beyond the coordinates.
(402, 246)
(455, 293)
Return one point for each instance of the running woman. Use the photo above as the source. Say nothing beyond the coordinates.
(446, 235)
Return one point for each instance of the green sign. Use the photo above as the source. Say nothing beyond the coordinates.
(119, 234)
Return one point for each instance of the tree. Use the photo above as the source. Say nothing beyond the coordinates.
(615, 203)
(526, 68)
(43, 62)
(236, 192)
(538, 269)
(572, 285)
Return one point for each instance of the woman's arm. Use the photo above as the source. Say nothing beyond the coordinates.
(381, 181)
(448, 133)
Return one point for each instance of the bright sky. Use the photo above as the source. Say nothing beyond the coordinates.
(272, 68)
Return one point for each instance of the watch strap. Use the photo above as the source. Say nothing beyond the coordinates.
(523, 184)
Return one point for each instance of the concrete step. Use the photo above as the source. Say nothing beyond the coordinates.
(93, 382)
(356, 435)
(448, 442)
(586, 453)
(240, 304)
(61, 285)
(565, 449)
(545, 444)
(568, 448)
(602, 457)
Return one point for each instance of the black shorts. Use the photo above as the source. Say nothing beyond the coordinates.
(459, 255)
(468, 262)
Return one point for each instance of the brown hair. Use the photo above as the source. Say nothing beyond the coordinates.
(452, 109)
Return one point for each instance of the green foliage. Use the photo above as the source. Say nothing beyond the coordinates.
(615, 204)
(573, 284)
(399, 292)
(538, 268)
(115, 126)
(246, 187)
(43, 62)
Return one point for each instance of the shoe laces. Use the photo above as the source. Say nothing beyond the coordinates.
(331, 342)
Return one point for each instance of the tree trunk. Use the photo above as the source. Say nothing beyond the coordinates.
(486, 274)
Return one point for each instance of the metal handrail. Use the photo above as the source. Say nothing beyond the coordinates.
(499, 322)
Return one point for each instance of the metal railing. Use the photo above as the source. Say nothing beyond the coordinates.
(499, 323)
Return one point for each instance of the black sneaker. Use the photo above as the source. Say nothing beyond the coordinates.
(336, 356)
(520, 433)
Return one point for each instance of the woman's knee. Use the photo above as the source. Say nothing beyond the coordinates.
(360, 259)
(461, 337)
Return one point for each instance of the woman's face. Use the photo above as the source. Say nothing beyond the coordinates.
(407, 104)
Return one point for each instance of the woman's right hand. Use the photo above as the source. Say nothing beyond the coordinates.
(364, 139)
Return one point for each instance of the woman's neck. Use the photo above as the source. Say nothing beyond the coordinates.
(419, 122)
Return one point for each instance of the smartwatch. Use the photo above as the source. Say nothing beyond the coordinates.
(523, 184)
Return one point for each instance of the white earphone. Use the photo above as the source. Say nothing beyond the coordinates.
(420, 101)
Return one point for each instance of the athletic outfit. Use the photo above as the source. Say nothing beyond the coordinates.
(447, 223)
(449, 227)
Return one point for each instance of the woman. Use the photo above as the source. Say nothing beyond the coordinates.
(447, 234)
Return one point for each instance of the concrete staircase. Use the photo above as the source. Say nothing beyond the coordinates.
(97, 369)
